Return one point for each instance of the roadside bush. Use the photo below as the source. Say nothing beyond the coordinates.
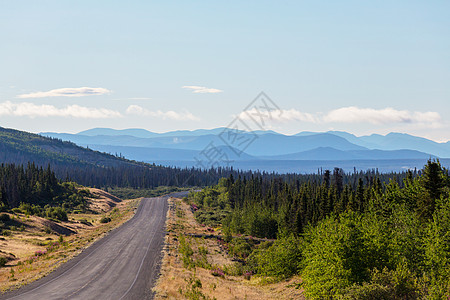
(186, 252)
(281, 259)
(387, 284)
(240, 248)
(202, 259)
(194, 289)
(85, 222)
(234, 269)
(3, 261)
(105, 220)
(334, 257)
(57, 213)
(16, 210)
(4, 217)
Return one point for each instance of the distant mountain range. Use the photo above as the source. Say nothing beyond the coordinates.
(305, 152)
(184, 145)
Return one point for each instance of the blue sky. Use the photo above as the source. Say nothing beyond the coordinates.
(360, 66)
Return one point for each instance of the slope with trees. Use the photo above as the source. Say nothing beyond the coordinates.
(349, 236)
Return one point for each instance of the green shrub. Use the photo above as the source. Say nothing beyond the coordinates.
(3, 261)
(16, 210)
(234, 269)
(367, 291)
(57, 213)
(202, 259)
(4, 218)
(281, 259)
(105, 220)
(186, 252)
(240, 248)
(387, 284)
(334, 257)
(85, 222)
(194, 289)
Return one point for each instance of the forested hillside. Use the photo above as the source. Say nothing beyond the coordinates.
(360, 236)
(97, 169)
(36, 191)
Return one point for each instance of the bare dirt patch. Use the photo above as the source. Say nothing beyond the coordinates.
(178, 282)
(37, 246)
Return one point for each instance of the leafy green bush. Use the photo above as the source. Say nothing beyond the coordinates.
(387, 284)
(3, 261)
(85, 222)
(281, 259)
(334, 257)
(240, 248)
(234, 269)
(367, 291)
(4, 218)
(186, 252)
(16, 210)
(57, 213)
(105, 220)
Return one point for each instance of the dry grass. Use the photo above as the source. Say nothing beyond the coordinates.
(40, 234)
(174, 277)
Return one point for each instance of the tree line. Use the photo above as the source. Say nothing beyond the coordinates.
(37, 191)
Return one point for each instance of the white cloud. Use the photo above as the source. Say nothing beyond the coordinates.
(201, 89)
(26, 109)
(353, 114)
(350, 114)
(67, 92)
(140, 98)
(172, 115)
(283, 115)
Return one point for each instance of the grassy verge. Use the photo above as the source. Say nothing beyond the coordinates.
(198, 264)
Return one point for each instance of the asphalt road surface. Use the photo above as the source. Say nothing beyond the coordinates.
(123, 265)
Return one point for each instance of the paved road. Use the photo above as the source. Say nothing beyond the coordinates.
(122, 265)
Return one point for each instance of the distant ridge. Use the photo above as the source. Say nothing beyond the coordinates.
(142, 133)
(22, 147)
(185, 145)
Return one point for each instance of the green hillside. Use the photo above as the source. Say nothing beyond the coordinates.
(21, 147)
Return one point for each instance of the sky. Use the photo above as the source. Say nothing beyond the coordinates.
(358, 66)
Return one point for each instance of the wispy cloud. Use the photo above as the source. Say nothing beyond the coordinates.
(201, 89)
(172, 115)
(132, 99)
(353, 114)
(140, 98)
(282, 115)
(67, 92)
(26, 109)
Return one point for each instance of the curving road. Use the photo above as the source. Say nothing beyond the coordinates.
(122, 265)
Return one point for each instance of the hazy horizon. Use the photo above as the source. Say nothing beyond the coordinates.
(288, 134)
